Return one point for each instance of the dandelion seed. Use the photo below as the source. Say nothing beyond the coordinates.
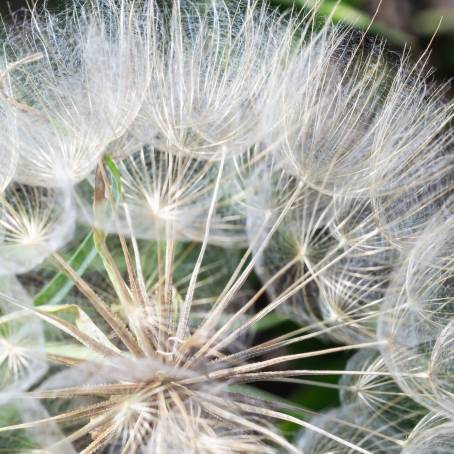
(418, 318)
(22, 352)
(328, 256)
(353, 424)
(432, 434)
(374, 391)
(166, 194)
(34, 222)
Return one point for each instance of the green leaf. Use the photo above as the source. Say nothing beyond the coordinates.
(428, 21)
(252, 391)
(60, 285)
(116, 178)
(76, 316)
(347, 14)
(70, 350)
(18, 441)
(270, 321)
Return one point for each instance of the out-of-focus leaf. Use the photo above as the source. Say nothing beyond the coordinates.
(347, 14)
(70, 350)
(74, 315)
(269, 321)
(60, 285)
(428, 21)
(116, 178)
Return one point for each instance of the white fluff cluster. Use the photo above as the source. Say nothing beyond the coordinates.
(154, 161)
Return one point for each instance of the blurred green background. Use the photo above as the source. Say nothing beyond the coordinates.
(404, 23)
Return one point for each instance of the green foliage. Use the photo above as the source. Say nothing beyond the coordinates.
(60, 285)
(17, 441)
(348, 12)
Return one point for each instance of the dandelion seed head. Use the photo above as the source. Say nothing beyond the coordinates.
(228, 163)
